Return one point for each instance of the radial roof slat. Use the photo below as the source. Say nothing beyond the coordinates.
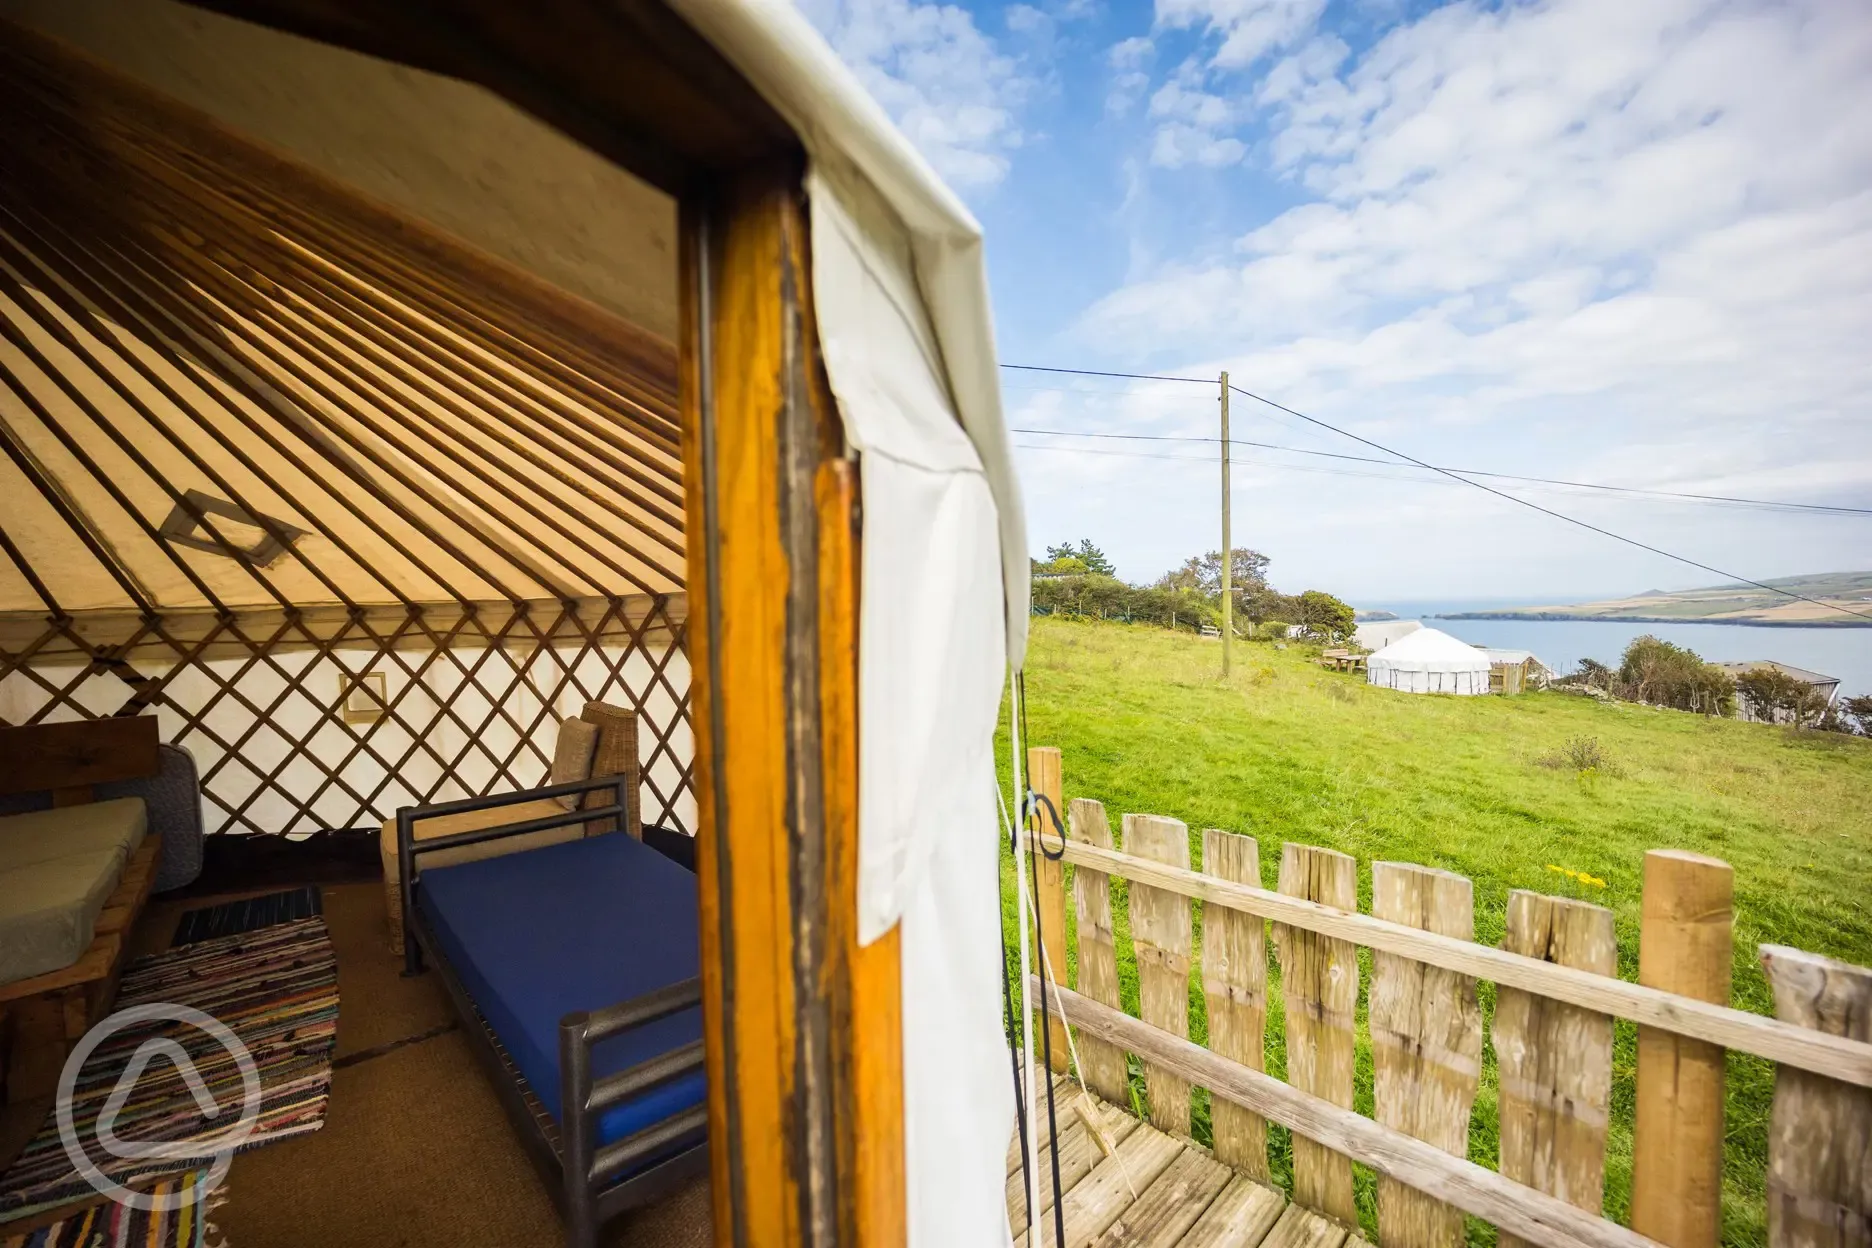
(137, 378)
(89, 375)
(387, 360)
(361, 323)
(284, 435)
(364, 417)
(638, 384)
(184, 318)
(234, 346)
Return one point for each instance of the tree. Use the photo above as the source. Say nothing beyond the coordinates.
(1259, 604)
(1095, 559)
(1809, 707)
(1774, 696)
(1326, 617)
(1596, 674)
(1859, 711)
(1089, 558)
(1768, 692)
(1661, 674)
(1203, 573)
(1067, 565)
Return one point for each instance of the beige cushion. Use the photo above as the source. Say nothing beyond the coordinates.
(470, 821)
(43, 835)
(572, 758)
(49, 910)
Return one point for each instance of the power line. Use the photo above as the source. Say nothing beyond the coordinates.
(1487, 489)
(1092, 372)
(1548, 511)
(1764, 503)
(1260, 463)
(1087, 450)
(1284, 466)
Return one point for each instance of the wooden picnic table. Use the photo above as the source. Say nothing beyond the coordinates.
(1342, 660)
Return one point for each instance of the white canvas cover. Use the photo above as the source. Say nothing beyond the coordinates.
(903, 312)
(1429, 661)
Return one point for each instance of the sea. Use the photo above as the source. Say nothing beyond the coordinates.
(1561, 644)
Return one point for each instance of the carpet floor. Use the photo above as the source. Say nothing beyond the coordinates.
(190, 1226)
(415, 1151)
(276, 989)
(248, 914)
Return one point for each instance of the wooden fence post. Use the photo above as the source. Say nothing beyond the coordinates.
(1319, 988)
(1043, 777)
(1426, 1029)
(1101, 1065)
(1160, 933)
(1234, 962)
(1820, 1131)
(1555, 1060)
(1685, 946)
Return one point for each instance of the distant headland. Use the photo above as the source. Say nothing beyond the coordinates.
(1827, 600)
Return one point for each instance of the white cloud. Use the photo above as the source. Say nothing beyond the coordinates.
(1133, 53)
(1129, 60)
(946, 84)
(1175, 145)
(1193, 124)
(1626, 242)
(1025, 19)
(1313, 64)
(1250, 29)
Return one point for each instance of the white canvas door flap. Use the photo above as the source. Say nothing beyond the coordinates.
(931, 654)
(932, 660)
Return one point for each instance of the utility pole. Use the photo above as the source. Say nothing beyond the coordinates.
(1228, 581)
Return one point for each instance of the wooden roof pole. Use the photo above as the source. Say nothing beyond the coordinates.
(804, 1028)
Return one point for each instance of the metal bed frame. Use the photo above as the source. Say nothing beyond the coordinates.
(588, 1182)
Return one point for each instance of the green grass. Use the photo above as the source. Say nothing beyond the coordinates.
(1290, 752)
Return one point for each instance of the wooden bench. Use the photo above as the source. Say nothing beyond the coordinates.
(42, 1017)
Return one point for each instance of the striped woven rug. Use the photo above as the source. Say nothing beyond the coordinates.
(276, 988)
(112, 1225)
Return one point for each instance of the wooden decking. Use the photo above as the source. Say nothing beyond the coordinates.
(1154, 1191)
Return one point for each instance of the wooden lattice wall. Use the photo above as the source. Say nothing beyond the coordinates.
(471, 705)
(264, 443)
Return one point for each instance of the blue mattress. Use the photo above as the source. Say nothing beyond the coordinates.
(537, 935)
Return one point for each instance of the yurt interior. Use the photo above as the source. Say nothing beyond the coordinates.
(417, 454)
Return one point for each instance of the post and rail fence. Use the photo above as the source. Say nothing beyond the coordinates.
(1557, 996)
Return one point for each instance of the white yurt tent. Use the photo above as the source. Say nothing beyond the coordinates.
(1430, 661)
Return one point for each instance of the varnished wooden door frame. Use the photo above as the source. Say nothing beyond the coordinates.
(805, 1040)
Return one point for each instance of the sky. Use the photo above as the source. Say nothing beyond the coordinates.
(1604, 241)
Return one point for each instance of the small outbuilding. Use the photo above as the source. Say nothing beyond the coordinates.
(1826, 686)
(1377, 634)
(1515, 671)
(1430, 661)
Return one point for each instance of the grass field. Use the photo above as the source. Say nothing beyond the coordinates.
(1287, 751)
